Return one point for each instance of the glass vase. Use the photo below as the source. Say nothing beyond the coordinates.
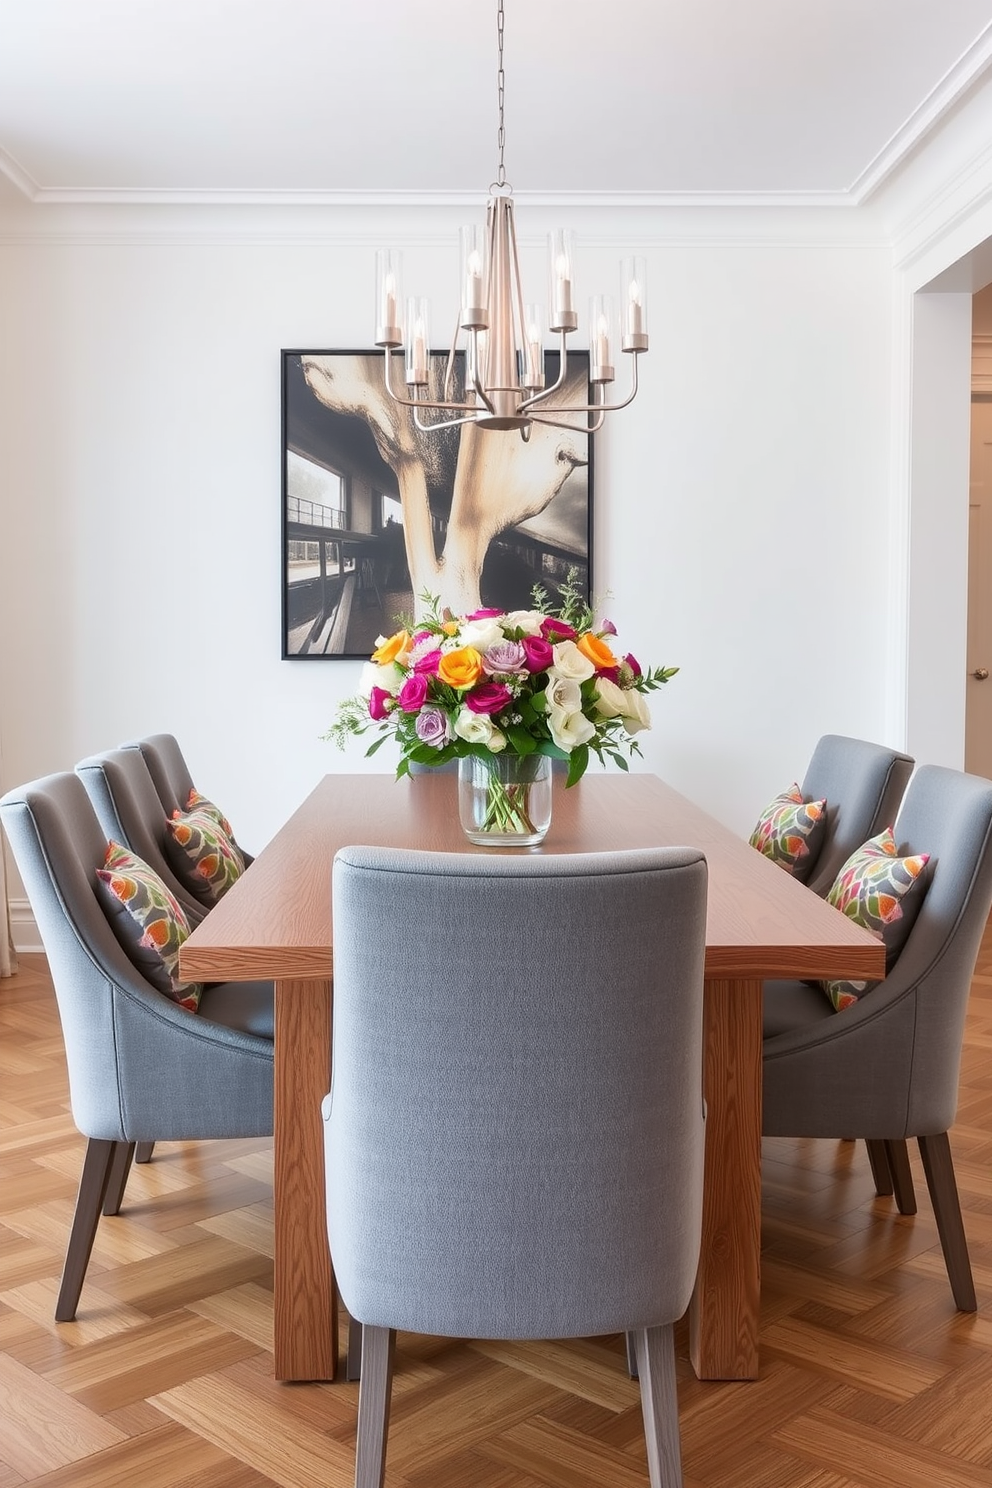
(504, 800)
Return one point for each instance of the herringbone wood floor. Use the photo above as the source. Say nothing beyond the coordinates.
(869, 1378)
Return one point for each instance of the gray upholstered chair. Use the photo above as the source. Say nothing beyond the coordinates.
(130, 810)
(514, 1133)
(863, 784)
(141, 1068)
(887, 1068)
(170, 773)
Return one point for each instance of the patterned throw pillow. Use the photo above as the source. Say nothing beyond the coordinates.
(790, 831)
(148, 921)
(882, 891)
(206, 859)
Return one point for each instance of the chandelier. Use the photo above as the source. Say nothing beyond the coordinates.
(505, 384)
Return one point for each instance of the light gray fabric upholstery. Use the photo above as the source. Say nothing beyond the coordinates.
(130, 810)
(863, 784)
(170, 774)
(140, 1067)
(888, 1067)
(514, 1134)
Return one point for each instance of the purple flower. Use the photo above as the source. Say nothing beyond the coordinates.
(634, 665)
(483, 614)
(378, 698)
(432, 726)
(556, 630)
(488, 697)
(539, 653)
(505, 659)
(428, 663)
(413, 693)
(607, 628)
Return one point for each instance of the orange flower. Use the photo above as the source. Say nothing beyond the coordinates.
(395, 649)
(461, 668)
(450, 627)
(597, 651)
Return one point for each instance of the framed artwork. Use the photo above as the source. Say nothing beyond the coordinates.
(376, 514)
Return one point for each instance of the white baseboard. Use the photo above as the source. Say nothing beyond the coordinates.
(23, 927)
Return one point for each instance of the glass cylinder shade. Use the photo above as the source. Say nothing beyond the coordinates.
(634, 304)
(531, 354)
(388, 298)
(418, 341)
(561, 266)
(602, 332)
(474, 280)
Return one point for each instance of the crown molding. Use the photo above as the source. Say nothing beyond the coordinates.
(958, 78)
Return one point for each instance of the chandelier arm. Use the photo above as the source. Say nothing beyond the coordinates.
(587, 428)
(473, 368)
(423, 402)
(555, 386)
(597, 407)
(467, 418)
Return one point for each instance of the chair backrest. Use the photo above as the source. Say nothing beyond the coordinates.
(863, 784)
(140, 1067)
(889, 1065)
(130, 811)
(515, 1131)
(167, 767)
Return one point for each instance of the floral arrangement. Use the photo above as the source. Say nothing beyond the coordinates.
(527, 682)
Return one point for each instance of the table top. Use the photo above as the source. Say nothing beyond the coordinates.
(276, 920)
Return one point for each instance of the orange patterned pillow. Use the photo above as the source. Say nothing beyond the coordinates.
(790, 831)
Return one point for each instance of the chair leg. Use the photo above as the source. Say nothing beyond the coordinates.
(631, 1356)
(353, 1366)
(117, 1182)
(659, 1402)
(897, 1155)
(93, 1183)
(378, 1345)
(879, 1167)
(143, 1152)
(939, 1169)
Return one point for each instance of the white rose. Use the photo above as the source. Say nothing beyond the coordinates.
(389, 677)
(570, 662)
(476, 728)
(610, 699)
(569, 730)
(481, 634)
(563, 695)
(529, 621)
(636, 716)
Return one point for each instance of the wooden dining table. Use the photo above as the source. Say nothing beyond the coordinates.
(276, 922)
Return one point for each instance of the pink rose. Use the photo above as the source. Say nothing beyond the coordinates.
(428, 664)
(483, 614)
(539, 653)
(377, 702)
(412, 693)
(633, 664)
(488, 697)
(556, 630)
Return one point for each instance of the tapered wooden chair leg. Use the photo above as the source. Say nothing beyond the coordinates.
(939, 1169)
(89, 1201)
(897, 1155)
(353, 1364)
(143, 1152)
(655, 1348)
(879, 1167)
(378, 1346)
(117, 1182)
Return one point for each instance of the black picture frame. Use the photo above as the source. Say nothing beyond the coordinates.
(376, 513)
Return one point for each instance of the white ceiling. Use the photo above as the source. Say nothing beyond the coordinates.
(289, 100)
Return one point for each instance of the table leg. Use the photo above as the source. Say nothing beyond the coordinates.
(305, 1314)
(723, 1318)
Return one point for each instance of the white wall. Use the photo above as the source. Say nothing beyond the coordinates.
(740, 502)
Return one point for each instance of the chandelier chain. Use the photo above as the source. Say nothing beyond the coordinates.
(500, 95)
